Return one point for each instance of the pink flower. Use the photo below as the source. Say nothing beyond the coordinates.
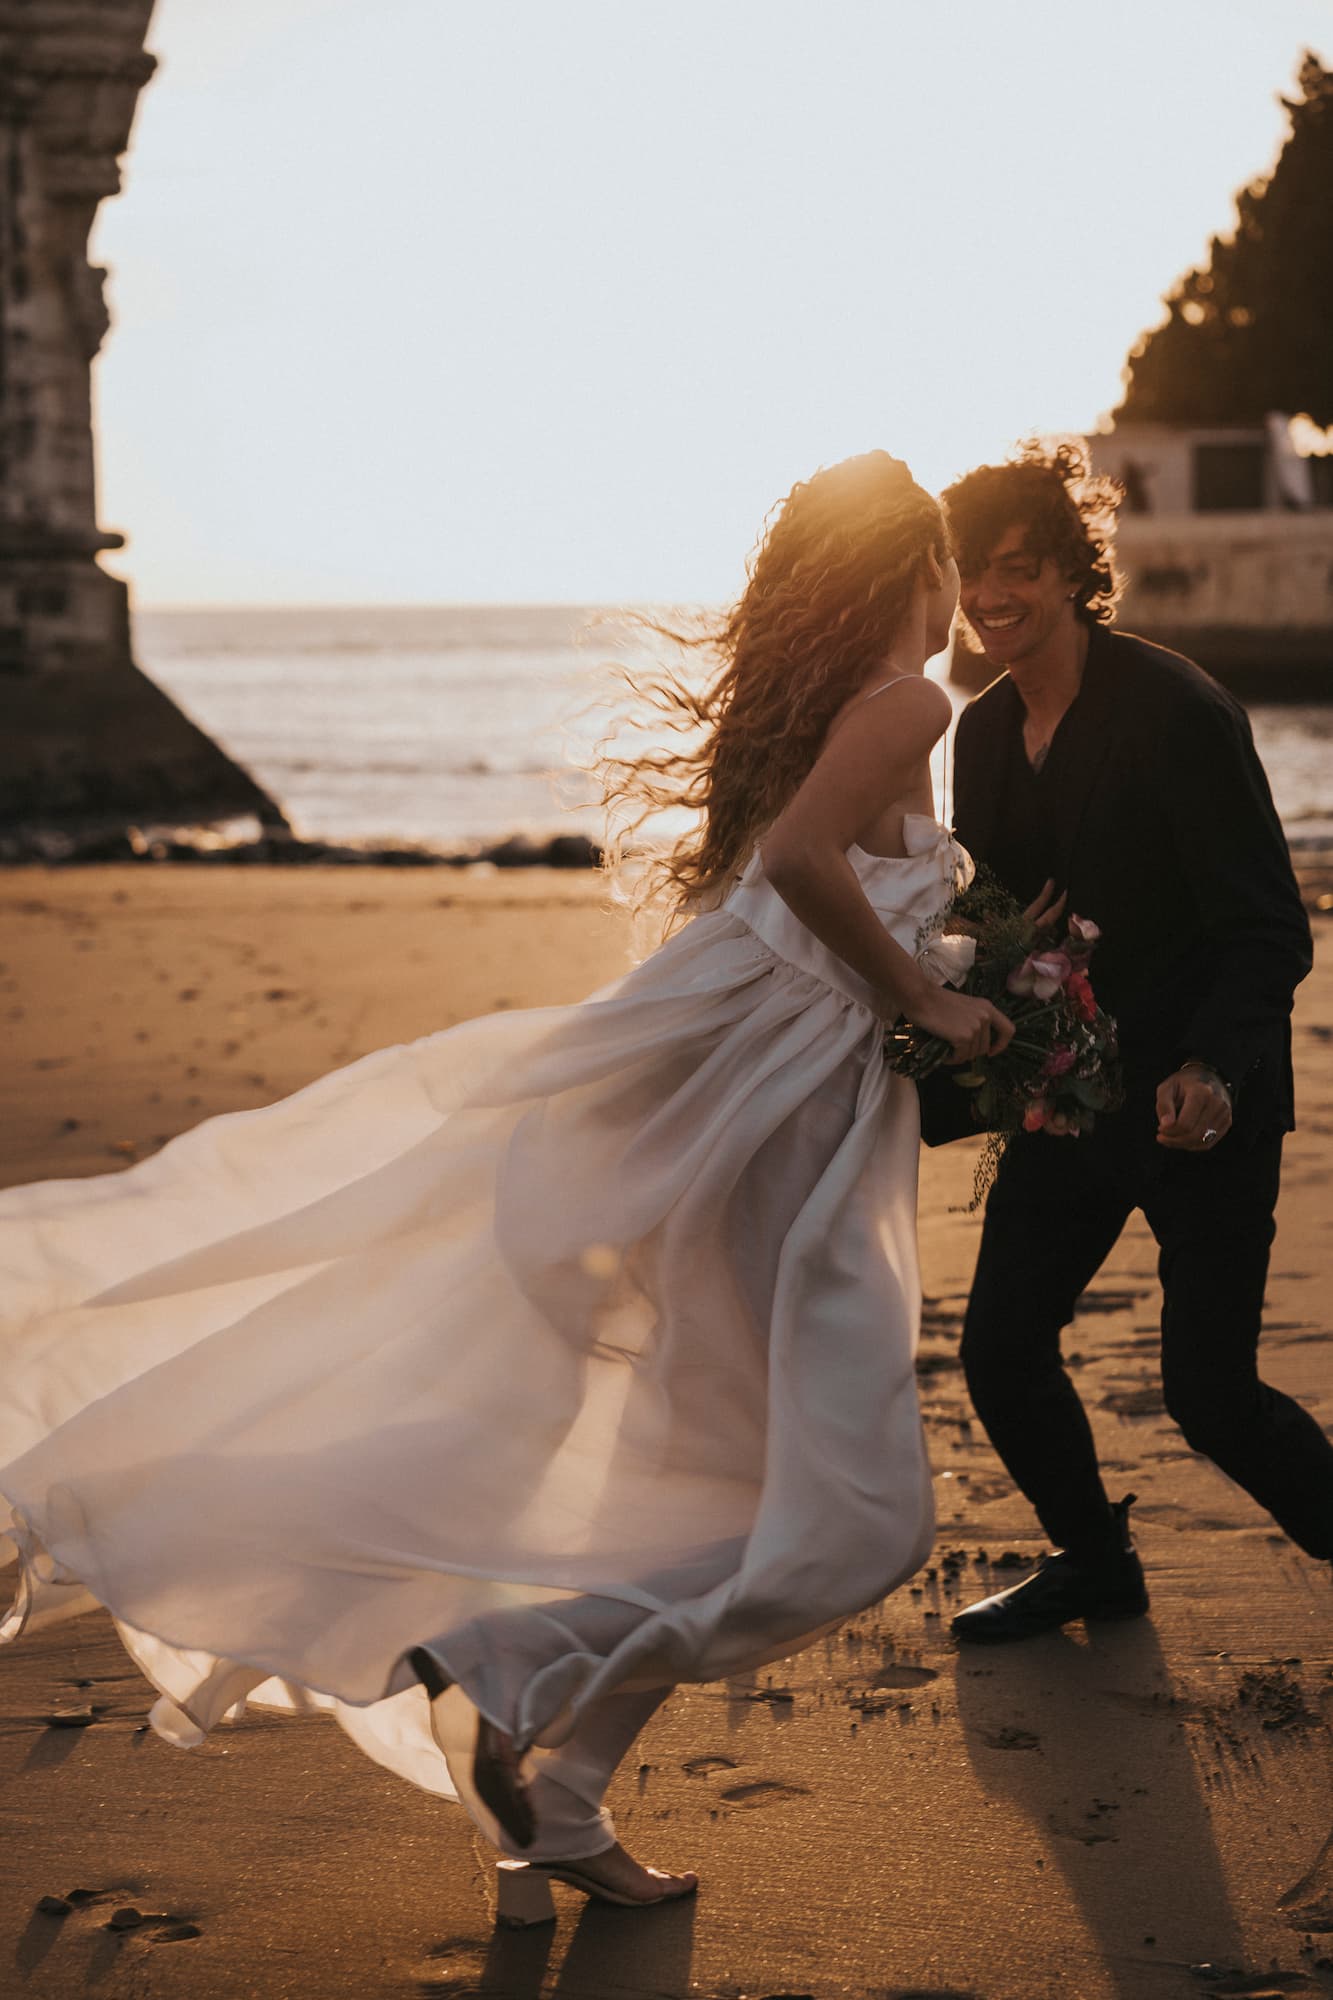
(1084, 930)
(1036, 1115)
(1059, 1062)
(1078, 988)
(1041, 973)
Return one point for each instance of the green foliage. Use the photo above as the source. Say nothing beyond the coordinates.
(1251, 330)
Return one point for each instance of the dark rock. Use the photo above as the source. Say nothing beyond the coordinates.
(54, 1906)
(573, 850)
(127, 1918)
(518, 852)
(201, 846)
(69, 1718)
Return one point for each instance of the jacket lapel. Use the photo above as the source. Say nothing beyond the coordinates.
(980, 772)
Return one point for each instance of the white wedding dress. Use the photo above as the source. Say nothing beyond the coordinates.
(575, 1346)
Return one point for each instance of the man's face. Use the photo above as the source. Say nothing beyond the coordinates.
(1017, 601)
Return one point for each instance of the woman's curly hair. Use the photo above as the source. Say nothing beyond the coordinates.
(1069, 514)
(829, 585)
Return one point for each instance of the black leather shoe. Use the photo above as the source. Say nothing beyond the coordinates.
(1060, 1589)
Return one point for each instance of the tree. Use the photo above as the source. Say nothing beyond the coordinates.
(1251, 330)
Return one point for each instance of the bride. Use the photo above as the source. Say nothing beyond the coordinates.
(486, 1388)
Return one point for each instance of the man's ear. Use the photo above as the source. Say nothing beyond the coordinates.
(934, 570)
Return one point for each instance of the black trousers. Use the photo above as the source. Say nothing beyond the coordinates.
(1055, 1210)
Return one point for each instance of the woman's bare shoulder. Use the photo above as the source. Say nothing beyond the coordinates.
(906, 701)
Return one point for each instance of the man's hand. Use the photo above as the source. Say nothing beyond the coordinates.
(1043, 911)
(1193, 1110)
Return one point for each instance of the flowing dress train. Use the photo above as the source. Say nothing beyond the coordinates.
(573, 1345)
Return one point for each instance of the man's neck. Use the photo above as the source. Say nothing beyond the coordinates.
(1048, 680)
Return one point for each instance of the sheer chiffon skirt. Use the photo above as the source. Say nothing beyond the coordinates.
(575, 1346)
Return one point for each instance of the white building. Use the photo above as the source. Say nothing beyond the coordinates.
(1226, 541)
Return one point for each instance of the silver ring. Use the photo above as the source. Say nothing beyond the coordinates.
(1209, 1134)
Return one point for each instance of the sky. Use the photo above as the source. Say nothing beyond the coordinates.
(473, 301)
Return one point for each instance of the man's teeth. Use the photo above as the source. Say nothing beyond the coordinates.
(1002, 624)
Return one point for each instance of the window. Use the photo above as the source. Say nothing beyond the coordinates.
(1228, 476)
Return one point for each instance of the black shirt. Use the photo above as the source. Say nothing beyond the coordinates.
(1026, 851)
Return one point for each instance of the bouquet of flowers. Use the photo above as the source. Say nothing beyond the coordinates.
(1062, 1067)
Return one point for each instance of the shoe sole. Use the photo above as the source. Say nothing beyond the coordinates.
(989, 1636)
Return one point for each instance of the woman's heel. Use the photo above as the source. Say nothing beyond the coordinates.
(523, 1896)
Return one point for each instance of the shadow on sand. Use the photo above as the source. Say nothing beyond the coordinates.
(1103, 1769)
(627, 1952)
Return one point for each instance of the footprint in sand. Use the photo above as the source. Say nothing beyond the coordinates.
(1011, 1739)
(897, 1674)
(704, 1767)
(158, 1926)
(1135, 1402)
(763, 1792)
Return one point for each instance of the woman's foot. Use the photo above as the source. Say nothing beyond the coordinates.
(618, 1877)
(497, 1773)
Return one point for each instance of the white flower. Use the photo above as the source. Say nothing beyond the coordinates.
(948, 959)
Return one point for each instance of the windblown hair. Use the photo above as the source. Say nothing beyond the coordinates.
(829, 586)
(1068, 513)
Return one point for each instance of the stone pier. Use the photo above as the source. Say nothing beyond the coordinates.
(87, 742)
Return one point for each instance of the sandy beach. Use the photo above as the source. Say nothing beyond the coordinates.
(1143, 1813)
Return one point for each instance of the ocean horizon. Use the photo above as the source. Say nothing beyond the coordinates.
(459, 726)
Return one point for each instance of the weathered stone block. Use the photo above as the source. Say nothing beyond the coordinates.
(83, 734)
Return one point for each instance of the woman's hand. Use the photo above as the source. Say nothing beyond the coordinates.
(973, 1026)
(1044, 911)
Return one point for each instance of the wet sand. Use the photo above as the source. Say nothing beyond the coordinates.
(1139, 1813)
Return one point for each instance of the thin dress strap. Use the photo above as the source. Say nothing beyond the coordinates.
(870, 697)
(861, 700)
(884, 684)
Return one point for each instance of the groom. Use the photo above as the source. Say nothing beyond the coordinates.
(1124, 774)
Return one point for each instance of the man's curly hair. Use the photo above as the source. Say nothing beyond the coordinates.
(1068, 513)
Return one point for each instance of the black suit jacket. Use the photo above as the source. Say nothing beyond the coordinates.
(1163, 831)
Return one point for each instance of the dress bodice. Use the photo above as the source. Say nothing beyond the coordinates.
(904, 890)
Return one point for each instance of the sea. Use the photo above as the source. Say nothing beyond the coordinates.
(457, 727)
